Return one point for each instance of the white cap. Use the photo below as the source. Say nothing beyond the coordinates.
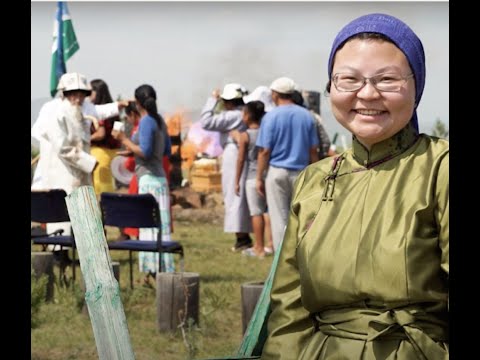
(74, 81)
(283, 85)
(232, 91)
(263, 94)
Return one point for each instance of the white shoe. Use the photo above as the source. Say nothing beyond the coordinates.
(251, 253)
(268, 250)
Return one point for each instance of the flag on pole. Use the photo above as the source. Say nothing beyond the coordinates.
(64, 45)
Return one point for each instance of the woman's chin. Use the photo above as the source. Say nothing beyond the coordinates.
(369, 131)
(370, 136)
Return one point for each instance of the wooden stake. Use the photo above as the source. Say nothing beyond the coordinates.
(102, 291)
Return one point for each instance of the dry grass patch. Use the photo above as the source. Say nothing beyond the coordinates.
(64, 332)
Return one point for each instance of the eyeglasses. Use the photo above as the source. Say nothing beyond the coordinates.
(387, 82)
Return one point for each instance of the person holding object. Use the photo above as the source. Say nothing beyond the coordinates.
(148, 145)
(65, 160)
(67, 164)
(103, 145)
(133, 118)
(47, 114)
(364, 265)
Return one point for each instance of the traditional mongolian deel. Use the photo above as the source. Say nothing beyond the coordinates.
(401, 262)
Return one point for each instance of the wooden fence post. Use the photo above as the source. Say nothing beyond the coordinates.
(250, 292)
(102, 291)
(177, 299)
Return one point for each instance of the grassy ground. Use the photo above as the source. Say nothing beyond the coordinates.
(64, 332)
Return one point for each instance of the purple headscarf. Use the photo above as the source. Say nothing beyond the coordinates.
(400, 34)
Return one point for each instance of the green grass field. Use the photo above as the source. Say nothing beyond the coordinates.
(64, 332)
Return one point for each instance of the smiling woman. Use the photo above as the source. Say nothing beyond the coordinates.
(372, 110)
(363, 269)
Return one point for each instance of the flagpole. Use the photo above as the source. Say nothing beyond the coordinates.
(64, 45)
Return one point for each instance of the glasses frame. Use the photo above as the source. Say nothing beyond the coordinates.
(374, 84)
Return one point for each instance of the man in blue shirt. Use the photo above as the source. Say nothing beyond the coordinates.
(288, 143)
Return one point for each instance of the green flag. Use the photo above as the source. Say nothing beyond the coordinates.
(65, 44)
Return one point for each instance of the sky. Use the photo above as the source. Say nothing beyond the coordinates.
(187, 49)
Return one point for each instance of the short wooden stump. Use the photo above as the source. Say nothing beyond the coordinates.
(250, 293)
(177, 299)
(42, 263)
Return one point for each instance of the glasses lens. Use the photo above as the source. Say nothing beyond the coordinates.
(388, 82)
(347, 82)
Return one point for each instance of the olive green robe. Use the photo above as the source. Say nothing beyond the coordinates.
(363, 269)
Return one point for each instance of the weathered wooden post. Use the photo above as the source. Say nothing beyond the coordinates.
(256, 332)
(250, 292)
(42, 263)
(177, 299)
(102, 291)
(116, 274)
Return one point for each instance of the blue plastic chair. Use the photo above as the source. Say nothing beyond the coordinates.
(49, 206)
(136, 211)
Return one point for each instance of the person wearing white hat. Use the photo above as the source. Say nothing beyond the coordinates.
(47, 114)
(261, 93)
(288, 143)
(57, 168)
(65, 160)
(237, 217)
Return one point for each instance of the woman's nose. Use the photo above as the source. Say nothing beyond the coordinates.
(368, 91)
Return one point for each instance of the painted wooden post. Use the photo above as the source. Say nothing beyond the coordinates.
(116, 273)
(102, 291)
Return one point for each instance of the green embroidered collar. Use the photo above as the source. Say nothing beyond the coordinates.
(385, 149)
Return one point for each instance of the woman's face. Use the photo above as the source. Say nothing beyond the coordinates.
(372, 116)
(132, 118)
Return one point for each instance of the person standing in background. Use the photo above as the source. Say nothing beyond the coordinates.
(364, 266)
(133, 118)
(65, 161)
(253, 112)
(237, 219)
(103, 145)
(323, 139)
(148, 146)
(47, 114)
(288, 143)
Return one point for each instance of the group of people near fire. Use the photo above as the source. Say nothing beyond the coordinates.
(362, 236)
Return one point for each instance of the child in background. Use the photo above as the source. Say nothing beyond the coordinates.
(133, 118)
(253, 112)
